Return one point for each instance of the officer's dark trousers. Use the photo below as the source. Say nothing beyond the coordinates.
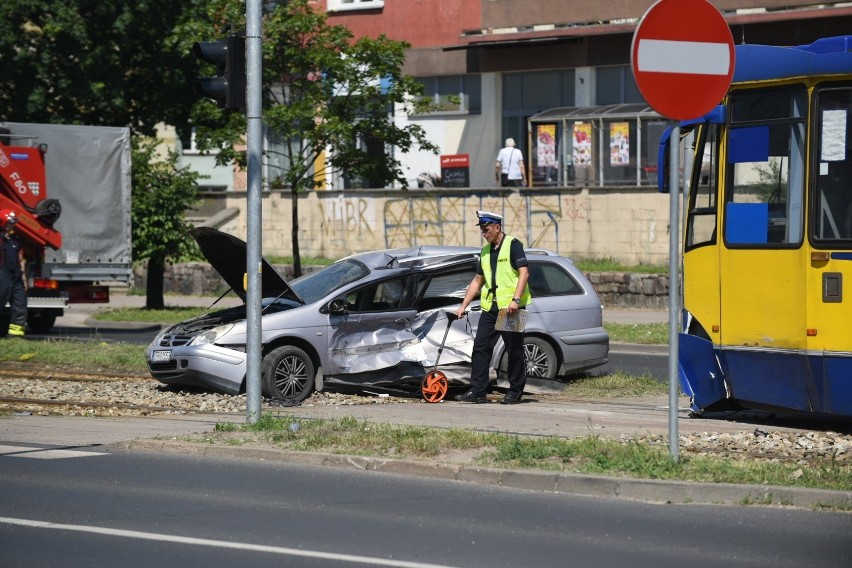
(12, 291)
(483, 347)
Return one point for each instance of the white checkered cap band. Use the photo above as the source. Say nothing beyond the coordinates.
(488, 217)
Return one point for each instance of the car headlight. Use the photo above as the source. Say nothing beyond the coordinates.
(211, 335)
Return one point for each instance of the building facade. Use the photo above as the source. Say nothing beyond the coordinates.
(508, 61)
(554, 75)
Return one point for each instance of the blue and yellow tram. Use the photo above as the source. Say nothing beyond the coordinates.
(767, 236)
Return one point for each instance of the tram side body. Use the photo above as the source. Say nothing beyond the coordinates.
(768, 327)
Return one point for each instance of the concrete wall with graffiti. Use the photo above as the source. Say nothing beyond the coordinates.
(626, 224)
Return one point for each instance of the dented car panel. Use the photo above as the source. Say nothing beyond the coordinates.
(361, 343)
(374, 320)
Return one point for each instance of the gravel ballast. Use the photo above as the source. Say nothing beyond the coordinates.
(145, 397)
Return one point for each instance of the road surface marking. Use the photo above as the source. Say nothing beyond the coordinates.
(44, 453)
(366, 560)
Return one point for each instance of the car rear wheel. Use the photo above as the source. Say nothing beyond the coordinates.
(287, 374)
(540, 359)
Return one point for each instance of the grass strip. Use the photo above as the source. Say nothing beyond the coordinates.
(641, 333)
(588, 455)
(85, 356)
(617, 384)
(609, 264)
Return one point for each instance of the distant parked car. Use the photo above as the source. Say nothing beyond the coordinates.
(374, 321)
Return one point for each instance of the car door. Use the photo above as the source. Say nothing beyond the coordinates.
(438, 293)
(374, 331)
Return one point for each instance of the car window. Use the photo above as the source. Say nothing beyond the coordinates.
(446, 289)
(550, 279)
(380, 296)
(316, 285)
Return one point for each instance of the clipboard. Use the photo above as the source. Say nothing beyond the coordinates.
(517, 322)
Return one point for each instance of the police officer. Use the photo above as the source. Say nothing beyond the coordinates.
(12, 288)
(502, 274)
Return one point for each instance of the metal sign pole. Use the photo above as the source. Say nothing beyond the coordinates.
(254, 141)
(674, 285)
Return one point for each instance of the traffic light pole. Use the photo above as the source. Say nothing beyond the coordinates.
(254, 57)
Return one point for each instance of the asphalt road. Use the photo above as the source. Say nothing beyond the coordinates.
(119, 508)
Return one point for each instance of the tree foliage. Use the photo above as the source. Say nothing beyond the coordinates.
(112, 64)
(161, 195)
(325, 95)
(92, 62)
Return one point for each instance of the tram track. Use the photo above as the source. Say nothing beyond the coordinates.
(80, 404)
(46, 391)
(69, 392)
(54, 375)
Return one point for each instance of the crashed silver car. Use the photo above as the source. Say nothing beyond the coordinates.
(374, 321)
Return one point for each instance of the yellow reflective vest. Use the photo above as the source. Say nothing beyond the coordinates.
(506, 278)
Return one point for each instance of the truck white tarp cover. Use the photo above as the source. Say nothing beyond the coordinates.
(88, 171)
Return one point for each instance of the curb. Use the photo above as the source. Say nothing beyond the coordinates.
(647, 490)
(641, 348)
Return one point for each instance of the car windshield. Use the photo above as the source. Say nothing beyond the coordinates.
(317, 285)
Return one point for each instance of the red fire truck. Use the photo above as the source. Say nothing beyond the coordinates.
(69, 187)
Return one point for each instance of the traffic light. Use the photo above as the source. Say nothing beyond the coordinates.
(228, 87)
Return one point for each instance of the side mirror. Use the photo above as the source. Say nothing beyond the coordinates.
(337, 306)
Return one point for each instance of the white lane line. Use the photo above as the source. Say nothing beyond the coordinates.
(44, 453)
(367, 560)
(695, 57)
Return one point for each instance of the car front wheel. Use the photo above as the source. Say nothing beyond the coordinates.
(287, 374)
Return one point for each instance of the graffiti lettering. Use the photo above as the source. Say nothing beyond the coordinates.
(349, 215)
(575, 210)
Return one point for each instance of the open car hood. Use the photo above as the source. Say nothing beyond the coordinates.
(228, 255)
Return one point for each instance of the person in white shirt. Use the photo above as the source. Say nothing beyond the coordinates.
(509, 170)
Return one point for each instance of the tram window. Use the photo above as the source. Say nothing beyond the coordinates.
(766, 171)
(833, 197)
(701, 217)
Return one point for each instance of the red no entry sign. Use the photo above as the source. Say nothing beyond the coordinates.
(683, 57)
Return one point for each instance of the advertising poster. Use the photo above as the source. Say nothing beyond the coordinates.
(619, 143)
(582, 144)
(546, 147)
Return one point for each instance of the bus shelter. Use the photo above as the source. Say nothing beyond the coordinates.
(596, 146)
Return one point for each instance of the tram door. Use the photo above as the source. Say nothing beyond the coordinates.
(830, 262)
(762, 256)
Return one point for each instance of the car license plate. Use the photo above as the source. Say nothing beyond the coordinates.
(162, 355)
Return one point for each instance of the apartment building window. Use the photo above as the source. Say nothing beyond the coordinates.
(454, 93)
(345, 5)
(615, 85)
(527, 94)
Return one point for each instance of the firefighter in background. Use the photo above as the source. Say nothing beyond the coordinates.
(12, 283)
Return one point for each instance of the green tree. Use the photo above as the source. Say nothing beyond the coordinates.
(325, 94)
(161, 195)
(92, 62)
(111, 64)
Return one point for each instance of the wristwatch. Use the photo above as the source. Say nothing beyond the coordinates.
(517, 301)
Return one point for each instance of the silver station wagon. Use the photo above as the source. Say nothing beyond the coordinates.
(375, 322)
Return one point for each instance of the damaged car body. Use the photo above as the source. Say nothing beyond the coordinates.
(374, 321)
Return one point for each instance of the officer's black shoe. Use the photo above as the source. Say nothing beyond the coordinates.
(471, 397)
(511, 398)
